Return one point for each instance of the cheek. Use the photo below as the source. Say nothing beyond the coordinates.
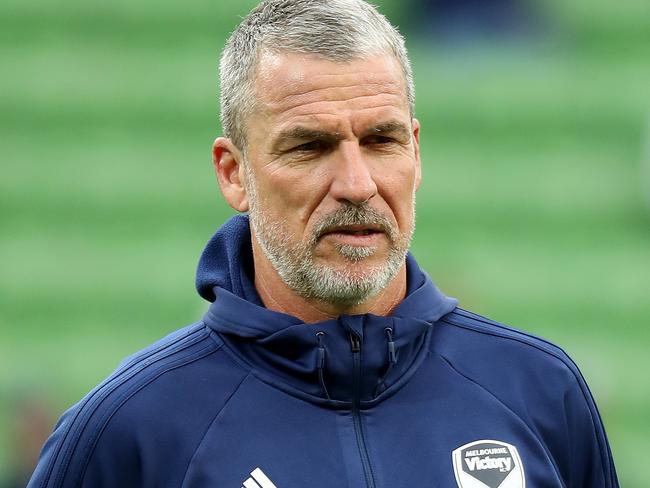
(398, 192)
(294, 195)
(298, 192)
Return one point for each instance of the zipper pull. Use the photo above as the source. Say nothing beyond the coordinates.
(355, 342)
(321, 350)
(392, 358)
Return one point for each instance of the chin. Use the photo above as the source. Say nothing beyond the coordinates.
(355, 264)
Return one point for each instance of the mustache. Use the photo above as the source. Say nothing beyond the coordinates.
(349, 214)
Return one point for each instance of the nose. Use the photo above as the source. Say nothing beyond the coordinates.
(352, 180)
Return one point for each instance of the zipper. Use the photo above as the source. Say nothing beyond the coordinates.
(355, 346)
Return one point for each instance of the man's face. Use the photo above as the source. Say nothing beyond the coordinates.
(331, 173)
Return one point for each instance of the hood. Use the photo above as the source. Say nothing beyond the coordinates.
(315, 360)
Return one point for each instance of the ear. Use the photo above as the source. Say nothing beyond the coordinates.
(227, 161)
(416, 147)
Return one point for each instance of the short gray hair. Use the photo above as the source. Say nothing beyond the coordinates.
(336, 30)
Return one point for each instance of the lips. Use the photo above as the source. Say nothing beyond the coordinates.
(352, 230)
(355, 225)
(364, 232)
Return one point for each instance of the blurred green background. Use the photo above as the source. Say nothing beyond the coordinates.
(534, 209)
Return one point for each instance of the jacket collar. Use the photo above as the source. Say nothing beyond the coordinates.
(314, 360)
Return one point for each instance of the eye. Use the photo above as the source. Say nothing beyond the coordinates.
(378, 140)
(311, 146)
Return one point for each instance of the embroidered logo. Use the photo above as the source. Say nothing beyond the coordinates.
(488, 464)
(258, 480)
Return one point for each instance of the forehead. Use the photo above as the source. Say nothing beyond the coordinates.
(294, 88)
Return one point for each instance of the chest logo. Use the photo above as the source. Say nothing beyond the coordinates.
(488, 464)
(258, 480)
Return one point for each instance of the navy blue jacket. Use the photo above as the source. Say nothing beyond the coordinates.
(431, 396)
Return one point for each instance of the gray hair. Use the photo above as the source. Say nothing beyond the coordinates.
(336, 30)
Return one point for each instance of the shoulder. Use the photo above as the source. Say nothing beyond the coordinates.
(517, 367)
(138, 410)
(462, 332)
(537, 381)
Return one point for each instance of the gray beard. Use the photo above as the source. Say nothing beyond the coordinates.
(294, 260)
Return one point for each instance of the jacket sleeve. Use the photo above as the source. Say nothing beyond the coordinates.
(588, 460)
(141, 426)
(81, 452)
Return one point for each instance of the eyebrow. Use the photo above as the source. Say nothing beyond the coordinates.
(301, 132)
(391, 127)
(305, 133)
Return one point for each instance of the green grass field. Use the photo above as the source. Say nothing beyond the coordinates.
(534, 209)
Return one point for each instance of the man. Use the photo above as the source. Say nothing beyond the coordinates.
(328, 358)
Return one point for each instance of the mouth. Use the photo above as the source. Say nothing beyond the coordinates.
(354, 230)
(359, 235)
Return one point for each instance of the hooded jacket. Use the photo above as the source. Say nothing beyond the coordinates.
(430, 396)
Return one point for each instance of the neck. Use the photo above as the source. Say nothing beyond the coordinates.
(277, 296)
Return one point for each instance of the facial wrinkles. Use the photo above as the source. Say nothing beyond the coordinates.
(300, 88)
(347, 121)
(294, 258)
(291, 91)
(342, 119)
(361, 95)
(297, 74)
(341, 105)
(347, 104)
